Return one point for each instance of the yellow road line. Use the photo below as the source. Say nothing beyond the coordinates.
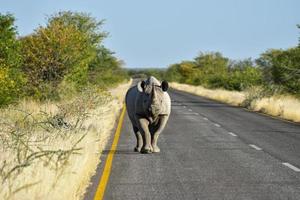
(107, 168)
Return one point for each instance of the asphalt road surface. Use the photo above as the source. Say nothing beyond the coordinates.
(209, 150)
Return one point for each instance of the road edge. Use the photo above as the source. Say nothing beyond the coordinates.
(108, 162)
(242, 107)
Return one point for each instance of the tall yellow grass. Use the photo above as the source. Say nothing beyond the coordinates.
(41, 180)
(285, 107)
(230, 97)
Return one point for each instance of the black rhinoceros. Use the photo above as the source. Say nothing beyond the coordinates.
(148, 107)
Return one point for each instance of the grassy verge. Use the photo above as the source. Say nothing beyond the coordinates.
(50, 151)
(230, 97)
(285, 107)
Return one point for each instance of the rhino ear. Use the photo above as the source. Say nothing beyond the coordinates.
(141, 86)
(164, 86)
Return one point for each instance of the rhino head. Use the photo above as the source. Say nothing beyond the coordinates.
(153, 97)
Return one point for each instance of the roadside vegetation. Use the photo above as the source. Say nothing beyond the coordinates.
(269, 84)
(64, 57)
(57, 105)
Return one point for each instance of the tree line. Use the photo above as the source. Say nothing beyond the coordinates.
(67, 54)
(275, 71)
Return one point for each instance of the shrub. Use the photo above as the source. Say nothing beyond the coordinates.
(11, 82)
(282, 68)
(52, 54)
(173, 73)
(242, 75)
(11, 79)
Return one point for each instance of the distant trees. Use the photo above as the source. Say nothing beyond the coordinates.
(276, 69)
(213, 68)
(105, 68)
(215, 71)
(146, 72)
(243, 74)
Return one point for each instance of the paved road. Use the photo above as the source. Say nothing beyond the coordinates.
(209, 150)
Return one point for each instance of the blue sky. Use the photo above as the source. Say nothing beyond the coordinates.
(156, 33)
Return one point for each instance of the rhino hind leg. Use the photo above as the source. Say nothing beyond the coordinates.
(139, 140)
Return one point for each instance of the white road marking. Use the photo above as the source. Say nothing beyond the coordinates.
(184, 106)
(232, 134)
(296, 169)
(217, 125)
(190, 110)
(192, 113)
(255, 147)
(205, 118)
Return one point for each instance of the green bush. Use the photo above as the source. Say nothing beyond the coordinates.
(11, 85)
(282, 68)
(68, 50)
(104, 69)
(173, 73)
(11, 79)
(65, 56)
(243, 75)
(53, 53)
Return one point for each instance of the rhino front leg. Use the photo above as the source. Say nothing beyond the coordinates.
(144, 130)
(139, 140)
(162, 124)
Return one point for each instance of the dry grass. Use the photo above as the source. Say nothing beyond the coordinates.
(285, 107)
(50, 151)
(230, 97)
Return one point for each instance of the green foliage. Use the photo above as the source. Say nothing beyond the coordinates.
(11, 79)
(173, 73)
(68, 51)
(282, 68)
(276, 70)
(212, 70)
(106, 69)
(243, 75)
(82, 22)
(212, 62)
(63, 57)
(9, 45)
(53, 53)
(11, 82)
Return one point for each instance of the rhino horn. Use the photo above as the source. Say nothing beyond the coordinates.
(153, 92)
